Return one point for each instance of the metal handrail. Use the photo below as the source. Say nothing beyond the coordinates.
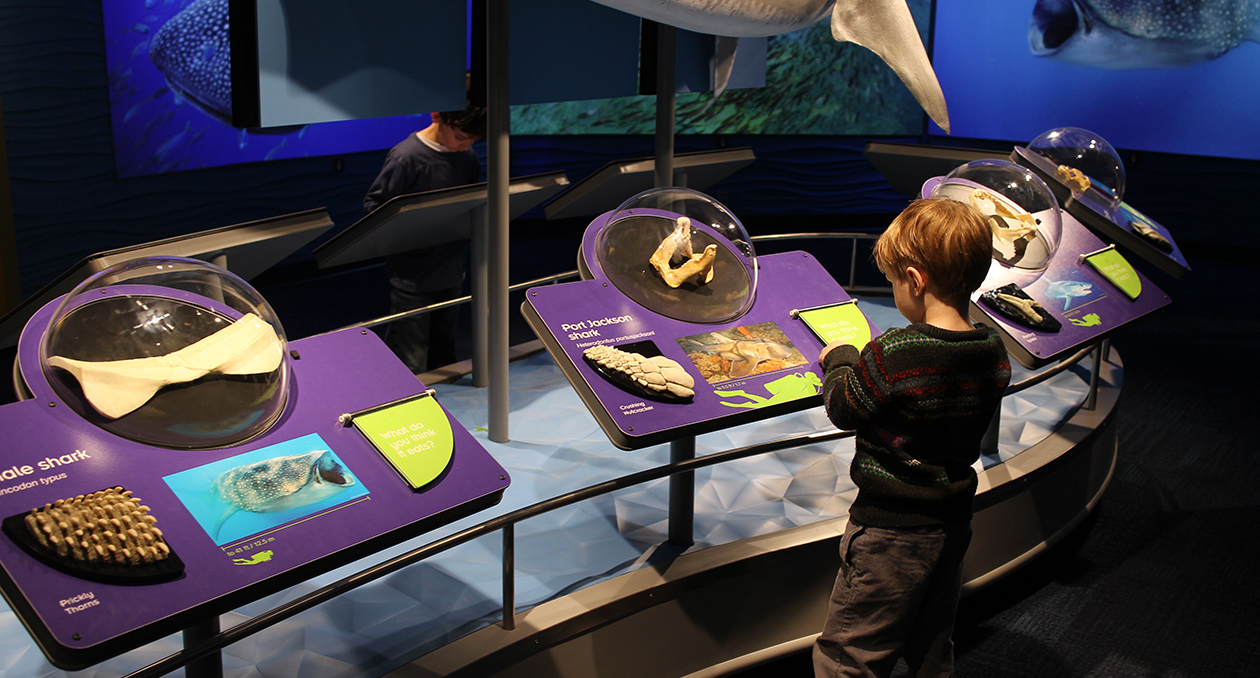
(1051, 372)
(508, 521)
(386, 319)
(855, 237)
(1038, 378)
(505, 521)
(552, 279)
(816, 235)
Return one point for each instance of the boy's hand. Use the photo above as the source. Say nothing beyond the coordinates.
(828, 348)
(838, 353)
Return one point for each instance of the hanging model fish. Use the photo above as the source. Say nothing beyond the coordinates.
(885, 27)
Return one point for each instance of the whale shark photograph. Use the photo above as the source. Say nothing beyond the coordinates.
(169, 80)
(264, 489)
(1169, 76)
(1141, 33)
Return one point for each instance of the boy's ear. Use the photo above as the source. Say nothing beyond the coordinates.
(918, 280)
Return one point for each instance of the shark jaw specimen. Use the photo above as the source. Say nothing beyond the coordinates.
(695, 266)
(885, 27)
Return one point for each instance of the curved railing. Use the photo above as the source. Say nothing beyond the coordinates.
(211, 644)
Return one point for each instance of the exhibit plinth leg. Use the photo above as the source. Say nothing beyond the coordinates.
(480, 267)
(509, 577)
(1100, 354)
(665, 51)
(989, 444)
(210, 666)
(497, 182)
(682, 494)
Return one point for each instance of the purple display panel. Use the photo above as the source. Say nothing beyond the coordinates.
(571, 317)
(1113, 224)
(1088, 306)
(52, 453)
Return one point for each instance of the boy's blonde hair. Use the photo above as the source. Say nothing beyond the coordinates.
(946, 239)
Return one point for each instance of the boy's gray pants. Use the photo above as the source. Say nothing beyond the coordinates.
(896, 596)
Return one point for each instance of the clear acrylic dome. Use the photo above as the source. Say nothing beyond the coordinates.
(680, 253)
(1022, 212)
(170, 352)
(1089, 154)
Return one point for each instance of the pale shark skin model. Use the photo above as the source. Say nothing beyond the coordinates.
(885, 27)
(118, 387)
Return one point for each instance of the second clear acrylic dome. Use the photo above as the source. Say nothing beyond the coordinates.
(1022, 212)
(1088, 153)
(680, 253)
(169, 352)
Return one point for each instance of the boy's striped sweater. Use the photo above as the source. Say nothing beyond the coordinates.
(920, 399)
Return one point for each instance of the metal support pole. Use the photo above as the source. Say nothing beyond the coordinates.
(210, 666)
(509, 576)
(682, 486)
(497, 131)
(665, 57)
(479, 266)
(215, 290)
(682, 494)
(1095, 374)
(853, 264)
(989, 444)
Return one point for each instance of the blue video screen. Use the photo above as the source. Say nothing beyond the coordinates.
(170, 97)
(165, 124)
(1013, 70)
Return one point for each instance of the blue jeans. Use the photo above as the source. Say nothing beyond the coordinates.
(426, 341)
(896, 596)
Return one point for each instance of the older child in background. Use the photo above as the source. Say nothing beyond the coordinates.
(438, 156)
(920, 399)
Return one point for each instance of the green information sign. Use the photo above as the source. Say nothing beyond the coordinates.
(838, 322)
(414, 436)
(1115, 268)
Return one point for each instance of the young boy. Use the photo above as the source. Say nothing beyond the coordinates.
(920, 399)
(438, 156)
